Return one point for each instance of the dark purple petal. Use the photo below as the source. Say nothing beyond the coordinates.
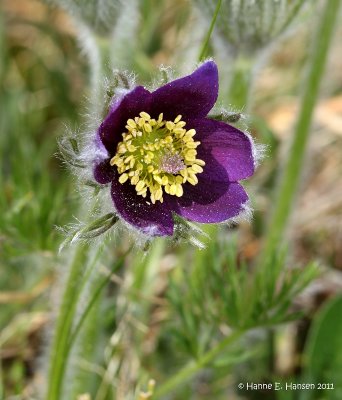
(151, 219)
(103, 172)
(227, 202)
(228, 145)
(192, 96)
(129, 106)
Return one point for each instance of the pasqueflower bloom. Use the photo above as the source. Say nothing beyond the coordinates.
(161, 154)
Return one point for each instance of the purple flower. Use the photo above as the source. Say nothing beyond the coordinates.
(162, 155)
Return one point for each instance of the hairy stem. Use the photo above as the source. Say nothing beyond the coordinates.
(290, 178)
(65, 318)
(97, 51)
(241, 82)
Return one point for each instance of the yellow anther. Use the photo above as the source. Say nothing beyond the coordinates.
(196, 168)
(144, 115)
(131, 123)
(158, 194)
(192, 181)
(123, 178)
(179, 179)
(180, 124)
(170, 125)
(179, 190)
(157, 178)
(140, 186)
(173, 189)
(134, 180)
(164, 180)
(191, 152)
(142, 193)
(148, 128)
(193, 177)
(199, 162)
(190, 158)
(128, 159)
(191, 145)
(187, 139)
(122, 149)
(178, 118)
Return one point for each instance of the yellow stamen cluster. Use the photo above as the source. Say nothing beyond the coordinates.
(157, 155)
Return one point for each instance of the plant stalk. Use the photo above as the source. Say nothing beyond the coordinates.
(290, 179)
(194, 367)
(241, 83)
(204, 49)
(65, 318)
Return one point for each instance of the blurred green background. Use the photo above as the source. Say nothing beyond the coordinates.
(44, 84)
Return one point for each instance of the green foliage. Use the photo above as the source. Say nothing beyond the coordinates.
(221, 290)
(35, 101)
(38, 96)
(323, 354)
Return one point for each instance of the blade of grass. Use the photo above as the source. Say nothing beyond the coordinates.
(91, 302)
(290, 179)
(204, 50)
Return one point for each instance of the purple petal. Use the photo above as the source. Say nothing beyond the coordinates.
(227, 202)
(151, 219)
(192, 96)
(129, 106)
(229, 146)
(103, 172)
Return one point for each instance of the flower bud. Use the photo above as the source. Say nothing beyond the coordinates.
(88, 231)
(250, 25)
(99, 15)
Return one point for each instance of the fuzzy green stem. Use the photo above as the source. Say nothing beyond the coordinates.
(86, 339)
(97, 50)
(290, 179)
(204, 49)
(194, 367)
(58, 359)
(241, 82)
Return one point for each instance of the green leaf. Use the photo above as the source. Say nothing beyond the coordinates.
(323, 353)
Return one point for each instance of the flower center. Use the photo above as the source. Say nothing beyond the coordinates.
(157, 156)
